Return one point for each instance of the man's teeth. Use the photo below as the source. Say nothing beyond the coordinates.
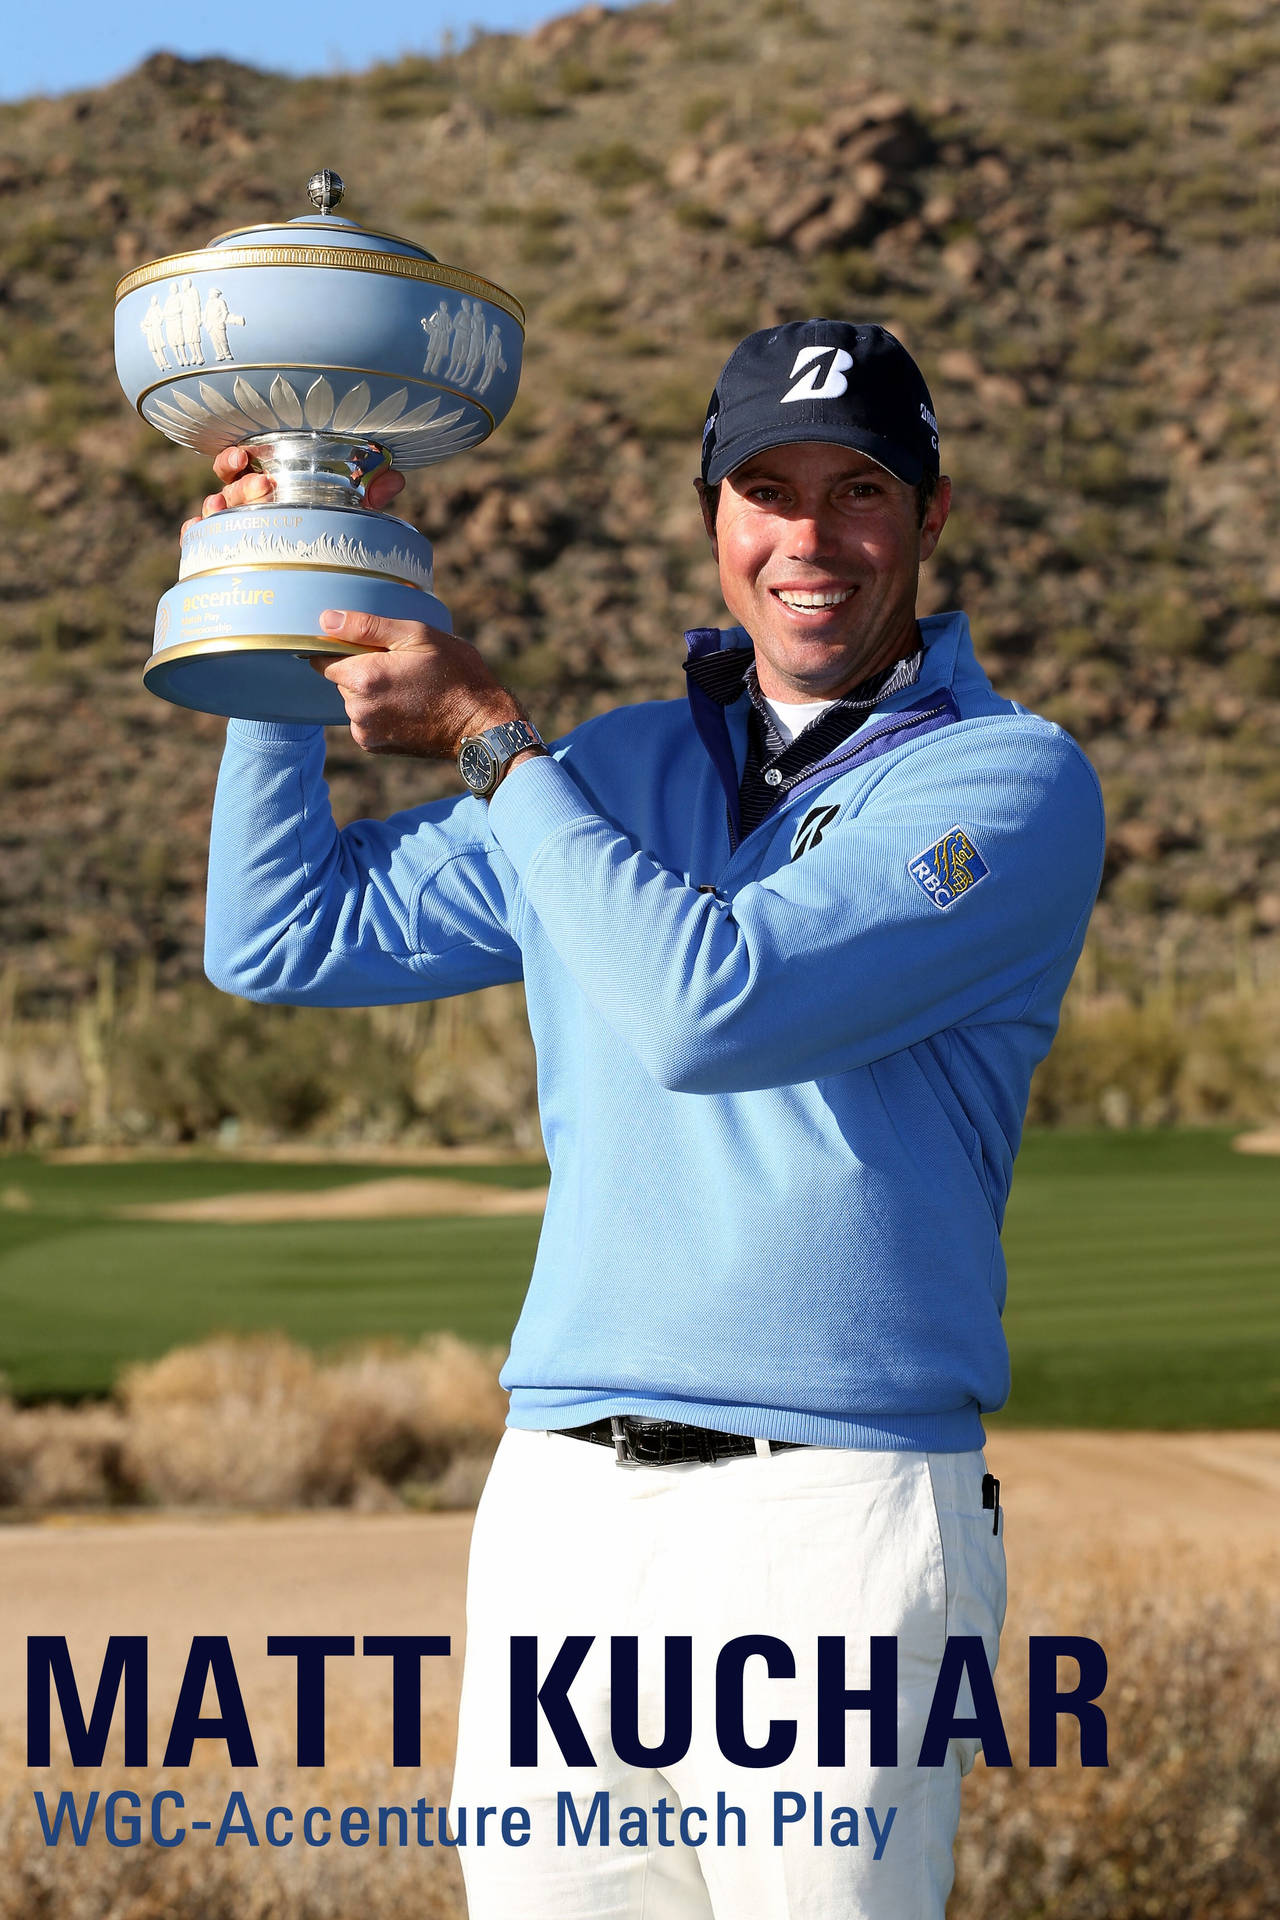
(800, 600)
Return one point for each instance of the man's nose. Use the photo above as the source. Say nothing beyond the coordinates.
(811, 534)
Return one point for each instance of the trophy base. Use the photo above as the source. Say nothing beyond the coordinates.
(252, 677)
(235, 635)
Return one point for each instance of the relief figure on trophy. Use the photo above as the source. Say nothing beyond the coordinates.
(217, 318)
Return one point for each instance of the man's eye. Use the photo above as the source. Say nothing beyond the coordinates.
(766, 495)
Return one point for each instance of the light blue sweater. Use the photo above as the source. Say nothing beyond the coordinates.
(781, 1116)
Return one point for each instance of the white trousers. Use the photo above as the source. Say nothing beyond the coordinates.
(796, 1545)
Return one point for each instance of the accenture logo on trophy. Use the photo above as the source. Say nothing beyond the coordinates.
(330, 352)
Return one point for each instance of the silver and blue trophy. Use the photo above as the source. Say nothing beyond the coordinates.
(330, 353)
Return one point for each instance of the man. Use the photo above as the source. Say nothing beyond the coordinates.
(791, 949)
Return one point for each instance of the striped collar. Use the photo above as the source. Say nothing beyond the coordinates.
(773, 765)
(729, 672)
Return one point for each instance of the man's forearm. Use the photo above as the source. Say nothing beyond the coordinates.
(408, 908)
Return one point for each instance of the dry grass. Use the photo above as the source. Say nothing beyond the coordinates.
(1162, 1056)
(236, 1882)
(1184, 1824)
(1153, 1050)
(259, 1423)
(131, 1068)
(55, 1456)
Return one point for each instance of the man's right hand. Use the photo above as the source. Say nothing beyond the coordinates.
(243, 487)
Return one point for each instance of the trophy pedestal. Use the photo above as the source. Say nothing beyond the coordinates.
(236, 634)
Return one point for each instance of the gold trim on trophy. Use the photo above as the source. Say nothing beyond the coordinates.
(299, 566)
(395, 266)
(299, 644)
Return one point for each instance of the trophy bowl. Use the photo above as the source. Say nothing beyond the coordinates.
(330, 353)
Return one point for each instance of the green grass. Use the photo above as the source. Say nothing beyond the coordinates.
(1144, 1282)
(1144, 1285)
(81, 1293)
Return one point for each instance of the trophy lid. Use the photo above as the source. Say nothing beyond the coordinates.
(318, 325)
(325, 189)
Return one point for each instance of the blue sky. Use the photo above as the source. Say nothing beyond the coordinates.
(52, 46)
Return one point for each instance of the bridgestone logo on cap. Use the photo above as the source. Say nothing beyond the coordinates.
(833, 385)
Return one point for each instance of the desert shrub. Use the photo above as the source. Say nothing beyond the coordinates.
(798, 15)
(1185, 1820)
(402, 89)
(696, 216)
(701, 110)
(539, 248)
(616, 165)
(58, 1457)
(191, 1882)
(256, 1422)
(840, 278)
(1256, 673)
(1091, 207)
(576, 77)
(521, 100)
(673, 409)
(1053, 90)
(1164, 621)
(1104, 473)
(1212, 82)
(186, 1066)
(1156, 1061)
(585, 313)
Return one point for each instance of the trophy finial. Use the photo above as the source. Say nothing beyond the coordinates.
(325, 189)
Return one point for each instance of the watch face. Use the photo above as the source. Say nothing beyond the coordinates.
(477, 764)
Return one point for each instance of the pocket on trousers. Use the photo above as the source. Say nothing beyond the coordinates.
(974, 1570)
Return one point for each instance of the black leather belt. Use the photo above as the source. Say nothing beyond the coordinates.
(666, 1443)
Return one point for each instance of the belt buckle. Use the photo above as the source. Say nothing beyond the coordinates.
(625, 1428)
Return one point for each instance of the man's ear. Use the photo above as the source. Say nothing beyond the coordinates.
(709, 500)
(935, 518)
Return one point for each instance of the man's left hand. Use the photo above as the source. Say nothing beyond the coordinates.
(417, 690)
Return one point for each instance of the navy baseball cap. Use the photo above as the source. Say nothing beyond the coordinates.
(829, 380)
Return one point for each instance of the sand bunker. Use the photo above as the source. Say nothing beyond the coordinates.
(402, 1198)
(1265, 1140)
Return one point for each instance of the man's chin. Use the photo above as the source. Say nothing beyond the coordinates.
(814, 667)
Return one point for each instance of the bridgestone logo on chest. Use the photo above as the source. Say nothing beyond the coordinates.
(812, 828)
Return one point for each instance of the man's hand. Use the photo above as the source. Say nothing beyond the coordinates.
(242, 487)
(418, 691)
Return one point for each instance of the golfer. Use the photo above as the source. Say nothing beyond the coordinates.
(792, 947)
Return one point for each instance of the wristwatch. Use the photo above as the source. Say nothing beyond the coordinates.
(482, 756)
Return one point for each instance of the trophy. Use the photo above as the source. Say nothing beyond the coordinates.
(330, 353)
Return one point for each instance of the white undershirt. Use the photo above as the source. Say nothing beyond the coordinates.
(792, 717)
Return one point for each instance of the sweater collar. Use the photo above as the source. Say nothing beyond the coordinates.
(948, 659)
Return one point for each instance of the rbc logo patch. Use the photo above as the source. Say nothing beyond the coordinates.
(948, 868)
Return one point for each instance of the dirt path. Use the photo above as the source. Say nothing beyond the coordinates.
(1206, 1505)
(171, 1577)
(1211, 1495)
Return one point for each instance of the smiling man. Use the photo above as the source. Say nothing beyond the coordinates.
(792, 948)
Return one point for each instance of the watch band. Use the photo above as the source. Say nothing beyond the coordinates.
(482, 756)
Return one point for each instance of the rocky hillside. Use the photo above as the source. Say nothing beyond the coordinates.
(1069, 214)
